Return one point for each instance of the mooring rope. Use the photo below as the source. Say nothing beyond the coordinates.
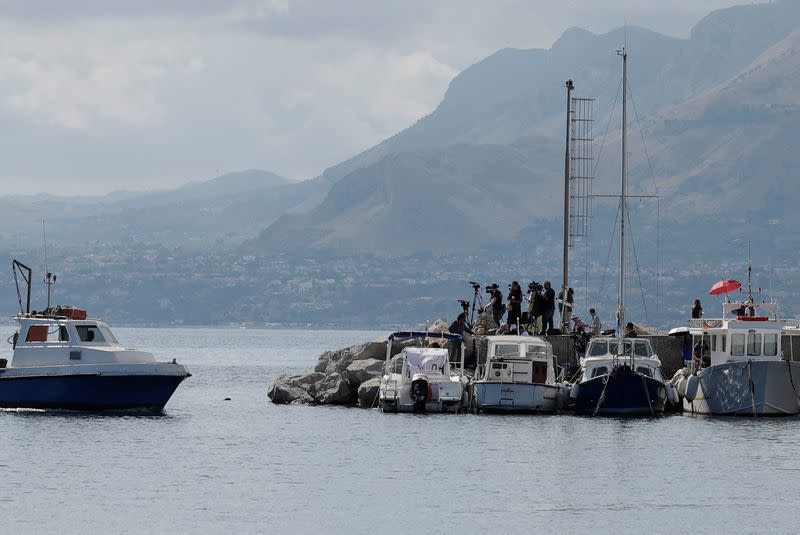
(647, 395)
(602, 397)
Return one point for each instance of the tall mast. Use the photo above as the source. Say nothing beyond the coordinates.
(565, 278)
(622, 199)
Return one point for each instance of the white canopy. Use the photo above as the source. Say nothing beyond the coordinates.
(426, 359)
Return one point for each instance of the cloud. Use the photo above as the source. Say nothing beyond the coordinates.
(113, 94)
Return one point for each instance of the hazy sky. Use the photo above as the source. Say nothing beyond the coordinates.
(97, 95)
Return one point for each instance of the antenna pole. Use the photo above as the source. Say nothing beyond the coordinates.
(565, 278)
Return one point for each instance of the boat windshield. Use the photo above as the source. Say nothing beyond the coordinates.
(506, 350)
(96, 334)
(535, 351)
(598, 348)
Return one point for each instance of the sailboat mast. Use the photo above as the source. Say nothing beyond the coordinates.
(622, 199)
(565, 278)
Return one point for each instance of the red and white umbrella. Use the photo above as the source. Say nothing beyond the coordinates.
(724, 286)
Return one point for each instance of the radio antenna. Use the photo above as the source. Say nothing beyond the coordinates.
(49, 278)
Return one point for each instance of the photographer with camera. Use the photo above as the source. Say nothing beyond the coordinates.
(496, 305)
(514, 304)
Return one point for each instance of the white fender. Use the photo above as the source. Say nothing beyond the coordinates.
(573, 392)
(672, 393)
(682, 386)
(692, 385)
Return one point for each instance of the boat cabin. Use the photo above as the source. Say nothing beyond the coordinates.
(58, 340)
(602, 353)
(519, 359)
(736, 340)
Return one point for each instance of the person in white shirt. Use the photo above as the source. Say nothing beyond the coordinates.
(597, 327)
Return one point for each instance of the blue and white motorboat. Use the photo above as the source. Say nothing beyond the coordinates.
(64, 360)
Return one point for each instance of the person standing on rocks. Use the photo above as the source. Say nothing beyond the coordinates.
(496, 304)
(514, 304)
(549, 308)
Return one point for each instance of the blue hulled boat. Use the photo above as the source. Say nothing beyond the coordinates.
(64, 360)
(611, 383)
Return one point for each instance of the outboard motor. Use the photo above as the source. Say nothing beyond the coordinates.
(419, 391)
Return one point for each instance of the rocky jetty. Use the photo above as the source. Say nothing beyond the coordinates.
(346, 376)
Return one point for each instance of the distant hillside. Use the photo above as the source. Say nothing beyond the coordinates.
(224, 210)
(514, 93)
(720, 134)
(455, 198)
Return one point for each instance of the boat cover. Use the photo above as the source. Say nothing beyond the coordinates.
(426, 359)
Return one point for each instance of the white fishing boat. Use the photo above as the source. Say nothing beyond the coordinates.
(423, 378)
(63, 359)
(738, 365)
(519, 376)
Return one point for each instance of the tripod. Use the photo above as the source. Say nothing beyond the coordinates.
(477, 301)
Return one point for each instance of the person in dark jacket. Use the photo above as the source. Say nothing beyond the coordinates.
(496, 305)
(697, 310)
(459, 326)
(549, 308)
(514, 304)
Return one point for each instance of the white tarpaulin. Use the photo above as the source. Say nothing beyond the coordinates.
(426, 359)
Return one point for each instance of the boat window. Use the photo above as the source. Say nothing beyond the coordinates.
(63, 335)
(737, 345)
(723, 338)
(770, 345)
(90, 333)
(535, 351)
(641, 348)
(36, 333)
(108, 335)
(754, 345)
(644, 370)
(598, 348)
(714, 343)
(506, 350)
(600, 370)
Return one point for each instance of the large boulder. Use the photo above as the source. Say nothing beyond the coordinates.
(369, 350)
(368, 392)
(338, 361)
(363, 370)
(293, 388)
(334, 390)
(439, 326)
(483, 324)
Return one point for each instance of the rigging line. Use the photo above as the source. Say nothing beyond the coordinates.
(644, 144)
(608, 125)
(636, 262)
(608, 257)
(658, 200)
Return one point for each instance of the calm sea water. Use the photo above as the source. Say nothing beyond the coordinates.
(248, 466)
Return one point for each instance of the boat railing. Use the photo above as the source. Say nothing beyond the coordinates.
(716, 323)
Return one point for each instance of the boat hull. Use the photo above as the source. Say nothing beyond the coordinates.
(755, 388)
(89, 391)
(623, 392)
(517, 397)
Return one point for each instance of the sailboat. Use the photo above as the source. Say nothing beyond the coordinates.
(620, 375)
